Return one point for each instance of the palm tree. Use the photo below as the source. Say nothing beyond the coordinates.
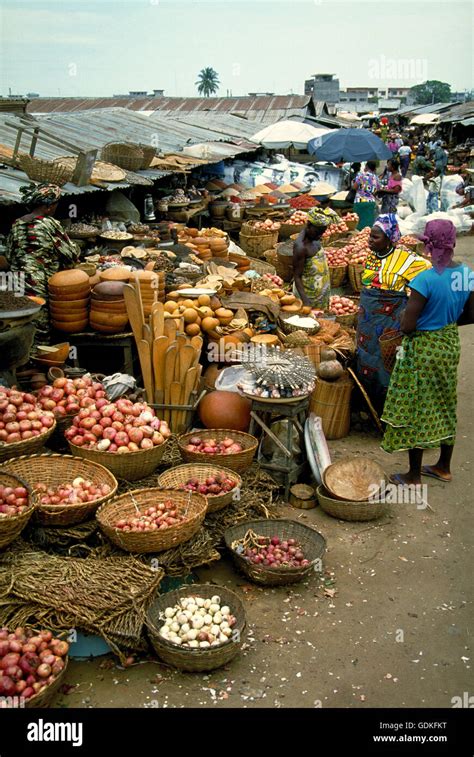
(208, 82)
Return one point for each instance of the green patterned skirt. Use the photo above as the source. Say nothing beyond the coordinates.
(420, 409)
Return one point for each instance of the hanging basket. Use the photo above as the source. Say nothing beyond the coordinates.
(389, 342)
(126, 155)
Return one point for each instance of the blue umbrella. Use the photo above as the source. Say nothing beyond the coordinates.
(349, 145)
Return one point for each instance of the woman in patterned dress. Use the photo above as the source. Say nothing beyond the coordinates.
(389, 268)
(420, 409)
(310, 267)
(37, 247)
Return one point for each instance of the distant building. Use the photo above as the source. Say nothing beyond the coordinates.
(32, 95)
(138, 93)
(261, 94)
(158, 92)
(323, 87)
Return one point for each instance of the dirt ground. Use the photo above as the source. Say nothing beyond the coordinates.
(387, 625)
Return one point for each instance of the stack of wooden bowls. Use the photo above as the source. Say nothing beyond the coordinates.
(203, 245)
(152, 288)
(115, 273)
(69, 293)
(108, 310)
(219, 247)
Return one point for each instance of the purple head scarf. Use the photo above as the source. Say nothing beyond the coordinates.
(389, 225)
(440, 241)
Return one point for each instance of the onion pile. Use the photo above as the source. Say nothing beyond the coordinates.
(267, 225)
(153, 518)
(275, 553)
(212, 486)
(342, 305)
(13, 500)
(21, 417)
(196, 622)
(122, 426)
(68, 396)
(298, 218)
(334, 229)
(409, 240)
(29, 661)
(360, 246)
(277, 280)
(72, 494)
(212, 447)
(351, 217)
(337, 257)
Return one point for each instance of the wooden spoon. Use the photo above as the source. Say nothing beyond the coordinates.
(133, 312)
(160, 346)
(170, 329)
(146, 368)
(175, 395)
(170, 360)
(158, 319)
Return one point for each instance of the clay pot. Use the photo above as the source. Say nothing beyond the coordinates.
(225, 410)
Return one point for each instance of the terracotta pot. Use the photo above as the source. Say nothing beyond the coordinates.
(225, 410)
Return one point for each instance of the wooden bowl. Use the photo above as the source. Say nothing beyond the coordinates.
(355, 479)
(74, 278)
(68, 305)
(75, 315)
(109, 320)
(71, 327)
(117, 273)
(108, 306)
(108, 290)
(71, 293)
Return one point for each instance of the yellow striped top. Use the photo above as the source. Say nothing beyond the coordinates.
(395, 271)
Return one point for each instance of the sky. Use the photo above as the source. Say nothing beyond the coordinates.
(104, 47)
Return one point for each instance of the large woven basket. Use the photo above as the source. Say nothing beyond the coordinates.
(256, 245)
(126, 155)
(330, 401)
(196, 660)
(175, 477)
(12, 526)
(239, 461)
(262, 267)
(149, 153)
(49, 171)
(349, 320)
(193, 505)
(312, 543)
(290, 231)
(348, 510)
(290, 328)
(390, 340)
(337, 275)
(355, 271)
(55, 470)
(25, 447)
(130, 466)
(45, 697)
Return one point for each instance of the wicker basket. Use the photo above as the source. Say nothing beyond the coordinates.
(196, 660)
(194, 505)
(349, 320)
(289, 230)
(173, 478)
(351, 225)
(38, 169)
(390, 340)
(149, 153)
(239, 461)
(337, 275)
(355, 271)
(313, 545)
(330, 401)
(13, 525)
(130, 466)
(289, 328)
(25, 447)
(347, 510)
(126, 155)
(255, 246)
(262, 267)
(55, 470)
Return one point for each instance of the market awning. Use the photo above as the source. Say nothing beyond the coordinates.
(286, 134)
(425, 119)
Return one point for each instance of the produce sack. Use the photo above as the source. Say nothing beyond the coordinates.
(419, 195)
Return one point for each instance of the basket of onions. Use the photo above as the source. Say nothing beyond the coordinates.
(24, 425)
(235, 449)
(220, 485)
(197, 627)
(345, 309)
(274, 552)
(125, 437)
(337, 262)
(16, 507)
(66, 490)
(152, 520)
(32, 667)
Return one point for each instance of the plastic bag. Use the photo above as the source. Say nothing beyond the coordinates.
(418, 195)
(118, 384)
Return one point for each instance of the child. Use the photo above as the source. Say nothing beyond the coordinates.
(434, 188)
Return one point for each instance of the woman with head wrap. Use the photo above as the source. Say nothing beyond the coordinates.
(37, 247)
(389, 268)
(420, 409)
(310, 267)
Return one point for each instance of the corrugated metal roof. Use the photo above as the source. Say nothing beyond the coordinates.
(176, 105)
(458, 112)
(224, 124)
(416, 110)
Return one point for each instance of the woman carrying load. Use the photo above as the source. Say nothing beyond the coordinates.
(310, 267)
(420, 409)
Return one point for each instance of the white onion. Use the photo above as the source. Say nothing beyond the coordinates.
(208, 620)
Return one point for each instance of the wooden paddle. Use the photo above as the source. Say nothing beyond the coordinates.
(160, 346)
(170, 329)
(157, 319)
(133, 312)
(189, 382)
(170, 360)
(175, 394)
(146, 368)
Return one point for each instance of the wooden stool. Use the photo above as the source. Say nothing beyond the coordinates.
(263, 414)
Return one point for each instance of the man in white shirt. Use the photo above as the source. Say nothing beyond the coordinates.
(404, 153)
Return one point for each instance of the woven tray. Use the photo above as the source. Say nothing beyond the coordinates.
(313, 545)
(173, 478)
(12, 526)
(101, 171)
(129, 467)
(45, 697)
(26, 447)
(239, 461)
(196, 660)
(348, 510)
(152, 541)
(54, 470)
